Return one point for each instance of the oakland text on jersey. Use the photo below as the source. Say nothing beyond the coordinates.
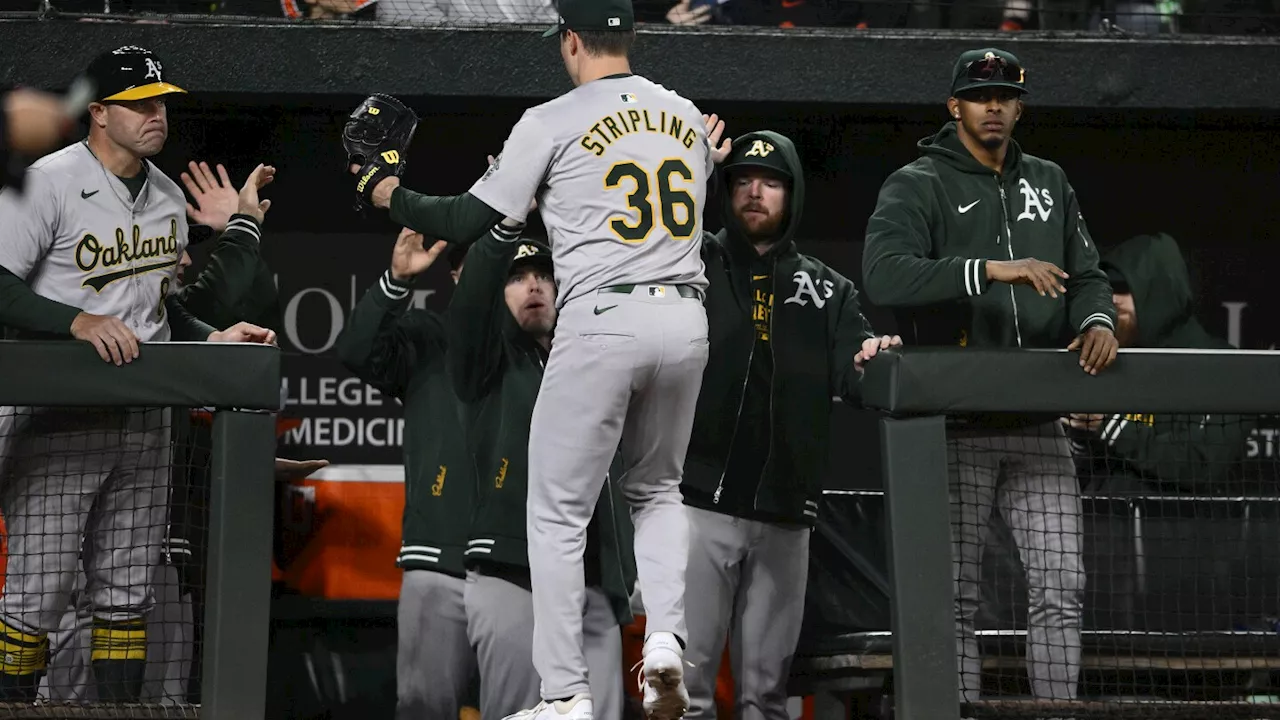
(634, 121)
(92, 254)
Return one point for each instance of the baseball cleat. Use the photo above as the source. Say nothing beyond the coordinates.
(662, 679)
(577, 707)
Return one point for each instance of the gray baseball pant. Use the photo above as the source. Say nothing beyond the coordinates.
(170, 647)
(82, 478)
(500, 624)
(624, 367)
(746, 580)
(434, 660)
(1030, 476)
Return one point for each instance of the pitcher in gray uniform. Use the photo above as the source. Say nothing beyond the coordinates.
(90, 251)
(619, 168)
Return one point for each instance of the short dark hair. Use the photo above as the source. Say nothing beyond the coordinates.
(607, 42)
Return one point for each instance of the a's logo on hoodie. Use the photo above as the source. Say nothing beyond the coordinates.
(1034, 198)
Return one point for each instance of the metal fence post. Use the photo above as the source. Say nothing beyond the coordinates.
(238, 590)
(914, 458)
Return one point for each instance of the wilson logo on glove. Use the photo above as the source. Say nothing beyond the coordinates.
(376, 138)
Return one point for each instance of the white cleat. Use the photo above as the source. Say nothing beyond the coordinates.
(577, 707)
(662, 679)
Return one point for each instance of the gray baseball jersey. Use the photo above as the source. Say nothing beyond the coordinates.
(75, 236)
(619, 167)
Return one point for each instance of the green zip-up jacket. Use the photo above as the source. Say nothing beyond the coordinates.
(496, 370)
(1190, 452)
(814, 329)
(235, 285)
(401, 352)
(940, 219)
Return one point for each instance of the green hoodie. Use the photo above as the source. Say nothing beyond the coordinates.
(496, 369)
(1181, 450)
(940, 219)
(401, 351)
(758, 449)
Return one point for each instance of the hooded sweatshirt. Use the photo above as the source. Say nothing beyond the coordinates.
(784, 328)
(940, 219)
(1183, 451)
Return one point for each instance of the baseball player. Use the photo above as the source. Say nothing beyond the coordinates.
(619, 168)
(499, 326)
(92, 249)
(401, 351)
(787, 335)
(968, 243)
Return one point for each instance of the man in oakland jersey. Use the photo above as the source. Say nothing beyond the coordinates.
(401, 351)
(500, 331)
(787, 336)
(91, 250)
(968, 245)
(618, 167)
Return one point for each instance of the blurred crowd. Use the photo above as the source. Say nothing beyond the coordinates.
(1218, 17)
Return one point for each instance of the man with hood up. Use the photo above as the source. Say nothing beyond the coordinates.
(978, 244)
(753, 472)
(1140, 451)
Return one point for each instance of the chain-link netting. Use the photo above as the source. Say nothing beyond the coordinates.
(104, 529)
(1134, 17)
(1116, 565)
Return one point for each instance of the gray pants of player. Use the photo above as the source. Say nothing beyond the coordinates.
(1030, 476)
(746, 580)
(500, 623)
(84, 479)
(631, 373)
(434, 660)
(170, 647)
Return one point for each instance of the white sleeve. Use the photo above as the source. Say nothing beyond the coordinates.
(511, 183)
(30, 220)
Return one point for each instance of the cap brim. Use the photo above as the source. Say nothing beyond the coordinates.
(757, 164)
(552, 31)
(143, 92)
(980, 85)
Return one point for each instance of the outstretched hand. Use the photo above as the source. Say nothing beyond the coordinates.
(715, 128)
(249, 204)
(411, 257)
(215, 198)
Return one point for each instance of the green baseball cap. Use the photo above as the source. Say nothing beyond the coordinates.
(757, 152)
(531, 252)
(988, 67)
(614, 15)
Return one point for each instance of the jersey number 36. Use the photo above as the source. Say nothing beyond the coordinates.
(676, 208)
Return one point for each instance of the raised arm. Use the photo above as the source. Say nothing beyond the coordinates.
(478, 314)
(384, 340)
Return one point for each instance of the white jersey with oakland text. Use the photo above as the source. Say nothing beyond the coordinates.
(619, 167)
(74, 236)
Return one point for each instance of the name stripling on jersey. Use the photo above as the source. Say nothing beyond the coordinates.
(634, 121)
(76, 236)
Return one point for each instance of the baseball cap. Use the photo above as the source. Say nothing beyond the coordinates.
(988, 67)
(531, 252)
(758, 152)
(614, 15)
(129, 73)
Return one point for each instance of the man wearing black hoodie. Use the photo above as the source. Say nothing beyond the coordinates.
(968, 244)
(753, 472)
(1140, 451)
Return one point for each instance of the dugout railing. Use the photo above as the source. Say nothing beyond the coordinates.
(239, 385)
(917, 389)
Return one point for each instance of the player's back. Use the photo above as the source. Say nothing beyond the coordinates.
(623, 197)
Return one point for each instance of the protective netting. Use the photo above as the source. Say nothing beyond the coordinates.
(104, 529)
(1140, 17)
(1116, 565)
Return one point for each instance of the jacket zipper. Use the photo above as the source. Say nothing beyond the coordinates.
(1008, 231)
(773, 287)
(742, 398)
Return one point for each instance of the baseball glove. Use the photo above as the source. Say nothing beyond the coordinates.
(376, 137)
